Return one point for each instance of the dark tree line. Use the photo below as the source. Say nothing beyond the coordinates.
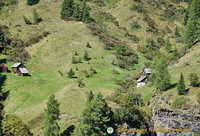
(75, 11)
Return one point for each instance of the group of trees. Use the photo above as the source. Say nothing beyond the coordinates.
(192, 22)
(75, 11)
(14, 48)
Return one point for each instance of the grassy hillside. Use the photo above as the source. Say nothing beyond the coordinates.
(51, 58)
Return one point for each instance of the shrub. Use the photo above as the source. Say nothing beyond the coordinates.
(135, 25)
(88, 45)
(80, 83)
(194, 79)
(86, 56)
(138, 8)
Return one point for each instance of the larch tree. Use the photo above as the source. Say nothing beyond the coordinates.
(181, 85)
(51, 117)
(162, 80)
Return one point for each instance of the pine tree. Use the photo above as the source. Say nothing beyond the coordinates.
(88, 45)
(86, 56)
(80, 83)
(77, 12)
(177, 34)
(90, 96)
(35, 17)
(96, 118)
(181, 85)
(51, 117)
(27, 21)
(86, 15)
(175, 54)
(32, 2)
(168, 46)
(192, 32)
(71, 73)
(162, 80)
(67, 9)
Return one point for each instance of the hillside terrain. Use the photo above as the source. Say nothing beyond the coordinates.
(145, 27)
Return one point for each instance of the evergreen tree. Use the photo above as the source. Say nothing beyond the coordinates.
(32, 2)
(194, 79)
(71, 73)
(177, 34)
(192, 32)
(168, 46)
(67, 9)
(96, 118)
(80, 82)
(88, 45)
(162, 80)
(86, 56)
(27, 21)
(51, 117)
(181, 85)
(86, 14)
(90, 96)
(77, 15)
(175, 54)
(35, 17)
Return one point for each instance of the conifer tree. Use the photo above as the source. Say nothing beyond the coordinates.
(27, 21)
(51, 117)
(181, 85)
(175, 54)
(168, 46)
(35, 17)
(86, 14)
(96, 118)
(88, 45)
(67, 9)
(77, 13)
(90, 96)
(192, 32)
(86, 56)
(177, 34)
(162, 80)
(71, 73)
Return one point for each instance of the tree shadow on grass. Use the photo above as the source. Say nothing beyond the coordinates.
(172, 86)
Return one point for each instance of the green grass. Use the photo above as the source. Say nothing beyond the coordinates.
(179, 102)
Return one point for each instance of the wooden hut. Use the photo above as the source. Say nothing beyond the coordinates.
(3, 68)
(19, 68)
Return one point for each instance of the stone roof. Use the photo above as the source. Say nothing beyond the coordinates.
(23, 70)
(141, 78)
(16, 65)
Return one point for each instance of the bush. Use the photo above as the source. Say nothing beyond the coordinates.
(80, 83)
(135, 25)
(198, 97)
(86, 56)
(194, 79)
(88, 45)
(138, 8)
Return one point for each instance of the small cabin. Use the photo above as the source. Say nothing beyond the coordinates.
(141, 81)
(19, 68)
(145, 77)
(23, 72)
(3, 68)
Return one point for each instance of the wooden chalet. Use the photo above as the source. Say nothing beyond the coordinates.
(19, 68)
(3, 68)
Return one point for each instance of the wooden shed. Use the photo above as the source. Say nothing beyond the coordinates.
(23, 72)
(3, 68)
(16, 66)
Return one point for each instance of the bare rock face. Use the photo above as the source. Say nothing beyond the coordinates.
(184, 123)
